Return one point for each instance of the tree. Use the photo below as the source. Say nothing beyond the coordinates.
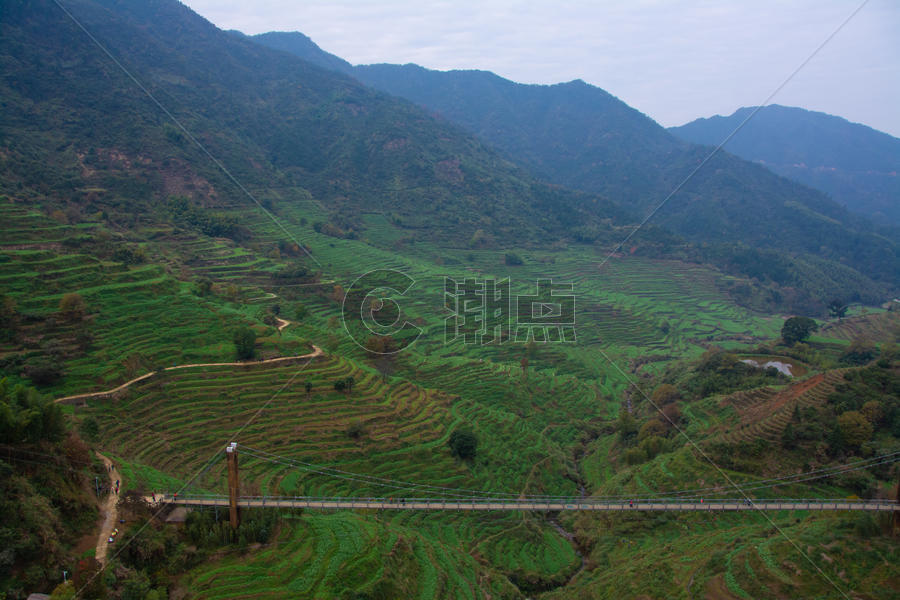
(855, 428)
(133, 363)
(380, 344)
(651, 428)
(90, 429)
(26, 417)
(463, 444)
(626, 426)
(872, 411)
(384, 363)
(44, 370)
(665, 394)
(837, 309)
(356, 429)
(308, 387)
(72, 307)
(8, 317)
(204, 286)
(300, 311)
(136, 586)
(89, 579)
(634, 456)
(653, 445)
(797, 329)
(671, 414)
(64, 591)
(245, 342)
(860, 352)
(789, 437)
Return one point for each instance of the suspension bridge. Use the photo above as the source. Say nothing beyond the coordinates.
(473, 500)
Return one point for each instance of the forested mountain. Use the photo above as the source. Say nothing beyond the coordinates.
(280, 125)
(859, 167)
(578, 135)
(301, 45)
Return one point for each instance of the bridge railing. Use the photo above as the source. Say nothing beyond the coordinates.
(536, 503)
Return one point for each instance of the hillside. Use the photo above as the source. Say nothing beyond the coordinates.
(579, 136)
(285, 128)
(297, 44)
(856, 165)
(162, 314)
(48, 501)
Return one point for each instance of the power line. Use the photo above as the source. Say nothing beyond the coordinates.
(817, 474)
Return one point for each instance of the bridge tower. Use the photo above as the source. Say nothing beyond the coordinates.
(233, 484)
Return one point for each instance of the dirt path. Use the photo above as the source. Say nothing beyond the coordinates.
(268, 296)
(282, 323)
(109, 509)
(315, 353)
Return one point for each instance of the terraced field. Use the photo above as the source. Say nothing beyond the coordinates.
(533, 419)
(139, 317)
(324, 555)
(765, 412)
(873, 327)
(175, 421)
(685, 557)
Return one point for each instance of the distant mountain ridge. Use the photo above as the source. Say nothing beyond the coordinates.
(302, 46)
(579, 136)
(855, 164)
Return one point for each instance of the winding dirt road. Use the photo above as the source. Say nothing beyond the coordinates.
(315, 353)
(109, 509)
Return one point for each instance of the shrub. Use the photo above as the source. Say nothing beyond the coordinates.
(356, 429)
(634, 456)
(72, 307)
(44, 370)
(512, 259)
(90, 429)
(860, 352)
(653, 445)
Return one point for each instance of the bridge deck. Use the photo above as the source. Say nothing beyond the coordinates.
(532, 505)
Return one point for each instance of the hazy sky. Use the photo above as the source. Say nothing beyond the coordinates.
(675, 61)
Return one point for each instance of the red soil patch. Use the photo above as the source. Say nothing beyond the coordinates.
(789, 395)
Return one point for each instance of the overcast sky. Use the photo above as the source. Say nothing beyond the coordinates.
(674, 61)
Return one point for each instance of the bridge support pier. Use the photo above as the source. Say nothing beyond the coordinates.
(233, 485)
